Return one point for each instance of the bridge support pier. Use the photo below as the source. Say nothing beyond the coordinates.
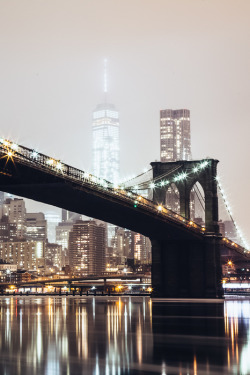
(186, 269)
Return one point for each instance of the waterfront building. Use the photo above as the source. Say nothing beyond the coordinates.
(87, 247)
(26, 255)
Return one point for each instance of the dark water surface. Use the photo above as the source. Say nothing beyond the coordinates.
(130, 335)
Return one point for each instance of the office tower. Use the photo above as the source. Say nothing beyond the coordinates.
(175, 135)
(15, 211)
(54, 256)
(106, 142)
(62, 234)
(53, 218)
(121, 247)
(106, 150)
(36, 227)
(8, 231)
(142, 248)
(87, 248)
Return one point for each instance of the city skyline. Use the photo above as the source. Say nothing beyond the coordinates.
(52, 91)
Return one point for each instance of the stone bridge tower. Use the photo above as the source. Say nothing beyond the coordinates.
(182, 267)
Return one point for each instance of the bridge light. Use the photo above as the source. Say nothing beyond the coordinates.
(195, 169)
(203, 229)
(6, 143)
(152, 185)
(59, 165)
(162, 183)
(183, 176)
(34, 154)
(135, 204)
(10, 154)
(149, 289)
(190, 223)
(159, 208)
(14, 146)
(50, 161)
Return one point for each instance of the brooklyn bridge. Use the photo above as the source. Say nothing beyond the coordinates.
(186, 257)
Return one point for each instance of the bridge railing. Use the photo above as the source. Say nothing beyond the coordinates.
(53, 166)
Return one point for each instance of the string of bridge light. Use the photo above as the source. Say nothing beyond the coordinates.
(176, 178)
(13, 150)
(13, 147)
(230, 212)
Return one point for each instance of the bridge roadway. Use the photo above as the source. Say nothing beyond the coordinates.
(186, 258)
(75, 282)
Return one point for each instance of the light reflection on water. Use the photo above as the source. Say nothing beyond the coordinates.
(77, 335)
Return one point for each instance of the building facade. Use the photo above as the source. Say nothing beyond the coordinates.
(87, 248)
(15, 211)
(36, 227)
(26, 255)
(105, 144)
(175, 139)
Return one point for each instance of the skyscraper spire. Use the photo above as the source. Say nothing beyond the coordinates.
(105, 79)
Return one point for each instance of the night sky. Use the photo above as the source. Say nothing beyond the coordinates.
(192, 54)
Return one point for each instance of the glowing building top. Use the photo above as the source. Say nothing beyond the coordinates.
(175, 135)
(105, 138)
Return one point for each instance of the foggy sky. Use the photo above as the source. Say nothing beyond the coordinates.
(192, 54)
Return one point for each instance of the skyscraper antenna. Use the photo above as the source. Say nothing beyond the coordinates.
(105, 78)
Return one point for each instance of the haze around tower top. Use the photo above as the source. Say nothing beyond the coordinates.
(161, 54)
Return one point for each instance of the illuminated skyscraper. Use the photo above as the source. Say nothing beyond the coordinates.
(175, 135)
(105, 146)
(87, 247)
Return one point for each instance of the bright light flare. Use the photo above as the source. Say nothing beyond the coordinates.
(14, 146)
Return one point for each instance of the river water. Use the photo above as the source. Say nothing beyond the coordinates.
(127, 335)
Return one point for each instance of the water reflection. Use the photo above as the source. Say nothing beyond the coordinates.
(69, 335)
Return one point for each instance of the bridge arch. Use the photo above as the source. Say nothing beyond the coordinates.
(197, 203)
(202, 171)
(172, 198)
